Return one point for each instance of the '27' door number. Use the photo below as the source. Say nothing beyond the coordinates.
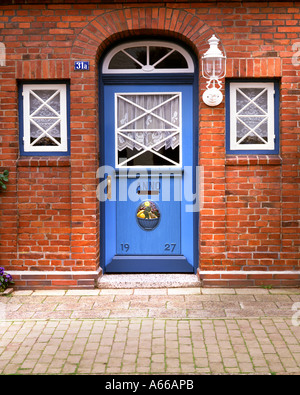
(168, 247)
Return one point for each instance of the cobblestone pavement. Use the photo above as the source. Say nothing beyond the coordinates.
(151, 331)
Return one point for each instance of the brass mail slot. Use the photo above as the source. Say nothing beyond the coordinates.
(147, 192)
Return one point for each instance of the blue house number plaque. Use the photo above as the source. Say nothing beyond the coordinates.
(81, 65)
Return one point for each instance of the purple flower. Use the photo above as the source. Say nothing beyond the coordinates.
(5, 279)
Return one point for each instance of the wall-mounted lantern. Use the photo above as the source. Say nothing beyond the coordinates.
(213, 69)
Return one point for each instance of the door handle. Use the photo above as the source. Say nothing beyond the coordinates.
(108, 187)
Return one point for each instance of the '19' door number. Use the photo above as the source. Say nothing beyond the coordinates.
(168, 247)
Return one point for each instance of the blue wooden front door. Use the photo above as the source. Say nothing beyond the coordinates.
(149, 151)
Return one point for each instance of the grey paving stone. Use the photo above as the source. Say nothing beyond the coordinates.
(222, 332)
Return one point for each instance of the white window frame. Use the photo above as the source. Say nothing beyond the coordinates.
(63, 146)
(270, 145)
(178, 131)
(147, 69)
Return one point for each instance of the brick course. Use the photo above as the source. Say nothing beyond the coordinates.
(50, 214)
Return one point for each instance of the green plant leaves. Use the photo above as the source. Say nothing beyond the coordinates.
(3, 179)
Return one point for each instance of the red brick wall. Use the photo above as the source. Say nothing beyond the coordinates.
(250, 219)
(44, 207)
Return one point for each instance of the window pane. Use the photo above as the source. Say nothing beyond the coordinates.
(122, 61)
(44, 94)
(252, 139)
(139, 53)
(148, 129)
(132, 115)
(148, 158)
(38, 101)
(54, 132)
(260, 130)
(251, 92)
(244, 99)
(174, 61)
(46, 141)
(156, 53)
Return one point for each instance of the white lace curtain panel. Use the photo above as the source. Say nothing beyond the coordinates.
(44, 113)
(148, 121)
(252, 114)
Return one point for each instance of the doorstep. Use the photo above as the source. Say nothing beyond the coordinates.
(151, 280)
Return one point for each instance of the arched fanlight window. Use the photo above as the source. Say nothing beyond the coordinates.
(148, 57)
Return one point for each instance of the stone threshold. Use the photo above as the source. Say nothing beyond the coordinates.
(149, 280)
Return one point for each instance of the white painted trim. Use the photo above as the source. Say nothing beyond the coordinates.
(270, 145)
(147, 44)
(62, 118)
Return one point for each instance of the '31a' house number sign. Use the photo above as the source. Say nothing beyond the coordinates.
(81, 65)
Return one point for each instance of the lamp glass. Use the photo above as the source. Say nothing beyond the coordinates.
(213, 68)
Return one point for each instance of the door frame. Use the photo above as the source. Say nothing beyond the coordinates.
(141, 79)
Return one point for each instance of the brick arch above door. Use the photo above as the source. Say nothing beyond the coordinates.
(111, 26)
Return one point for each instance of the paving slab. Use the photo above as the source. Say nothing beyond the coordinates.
(82, 292)
(49, 292)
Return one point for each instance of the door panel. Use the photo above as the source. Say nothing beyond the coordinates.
(164, 239)
(145, 135)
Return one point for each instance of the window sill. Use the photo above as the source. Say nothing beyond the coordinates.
(43, 161)
(252, 160)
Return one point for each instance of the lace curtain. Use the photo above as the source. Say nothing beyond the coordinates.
(252, 118)
(45, 113)
(148, 121)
